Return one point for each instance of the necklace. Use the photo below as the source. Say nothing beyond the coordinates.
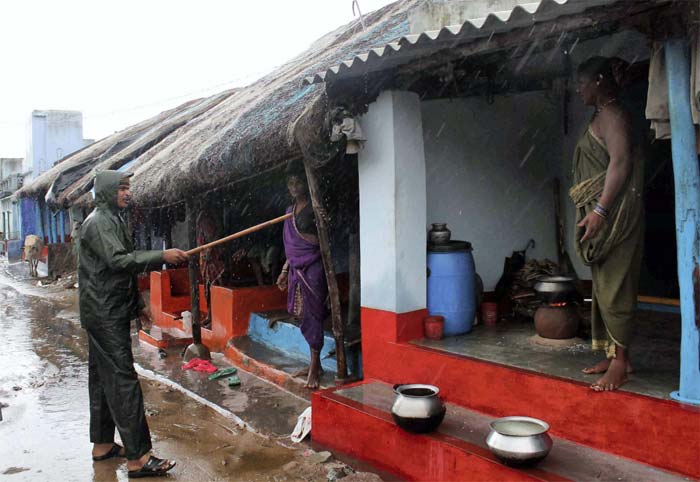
(599, 108)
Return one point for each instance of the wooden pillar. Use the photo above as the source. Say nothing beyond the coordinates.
(193, 268)
(324, 242)
(686, 174)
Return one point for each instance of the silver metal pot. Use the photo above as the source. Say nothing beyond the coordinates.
(418, 408)
(555, 289)
(519, 440)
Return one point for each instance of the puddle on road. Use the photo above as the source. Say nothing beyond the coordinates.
(44, 432)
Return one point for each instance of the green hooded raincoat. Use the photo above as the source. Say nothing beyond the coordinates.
(109, 300)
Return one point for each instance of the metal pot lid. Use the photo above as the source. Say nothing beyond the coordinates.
(450, 247)
(556, 279)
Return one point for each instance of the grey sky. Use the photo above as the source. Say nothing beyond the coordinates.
(121, 62)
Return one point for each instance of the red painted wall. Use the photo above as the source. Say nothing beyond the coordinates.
(659, 432)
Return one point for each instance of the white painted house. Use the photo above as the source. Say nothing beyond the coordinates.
(51, 135)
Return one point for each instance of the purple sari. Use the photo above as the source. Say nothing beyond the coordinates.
(308, 279)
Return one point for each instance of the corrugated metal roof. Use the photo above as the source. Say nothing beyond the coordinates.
(411, 46)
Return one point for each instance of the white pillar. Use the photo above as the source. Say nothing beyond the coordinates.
(393, 205)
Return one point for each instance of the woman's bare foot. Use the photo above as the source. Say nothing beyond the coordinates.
(614, 377)
(602, 367)
(304, 372)
(314, 379)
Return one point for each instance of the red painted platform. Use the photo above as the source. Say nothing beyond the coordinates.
(662, 433)
(357, 420)
(230, 311)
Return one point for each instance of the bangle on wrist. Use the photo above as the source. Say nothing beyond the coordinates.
(600, 213)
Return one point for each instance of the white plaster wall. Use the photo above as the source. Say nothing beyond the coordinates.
(489, 174)
(392, 205)
(52, 135)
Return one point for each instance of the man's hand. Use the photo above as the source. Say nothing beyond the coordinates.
(282, 281)
(593, 224)
(174, 256)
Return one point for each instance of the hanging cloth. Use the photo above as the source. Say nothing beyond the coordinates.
(657, 95)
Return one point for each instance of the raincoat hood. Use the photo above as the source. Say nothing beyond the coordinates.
(106, 187)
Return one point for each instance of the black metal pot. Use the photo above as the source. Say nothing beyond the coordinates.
(417, 408)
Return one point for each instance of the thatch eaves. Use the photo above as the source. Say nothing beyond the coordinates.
(249, 133)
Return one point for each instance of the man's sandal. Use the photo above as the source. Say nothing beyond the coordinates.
(155, 467)
(115, 451)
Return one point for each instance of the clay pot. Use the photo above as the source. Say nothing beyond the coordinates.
(489, 313)
(556, 322)
(434, 327)
(439, 234)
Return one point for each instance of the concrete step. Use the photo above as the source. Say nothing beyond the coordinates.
(165, 337)
(639, 427)
(357, 420)
(272, 365)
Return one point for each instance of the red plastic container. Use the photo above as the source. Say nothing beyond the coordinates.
(434, 327)
(489, 313)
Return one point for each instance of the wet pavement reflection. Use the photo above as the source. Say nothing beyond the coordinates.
(44, 397)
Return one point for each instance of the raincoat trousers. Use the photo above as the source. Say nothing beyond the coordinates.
(109, 300)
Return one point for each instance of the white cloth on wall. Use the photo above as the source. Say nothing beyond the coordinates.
(352, 131)
(695, 79)
(657, 95)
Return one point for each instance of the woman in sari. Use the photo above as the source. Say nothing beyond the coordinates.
(302, 275)
(608, 176)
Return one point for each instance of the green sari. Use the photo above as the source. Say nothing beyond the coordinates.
(615, 254)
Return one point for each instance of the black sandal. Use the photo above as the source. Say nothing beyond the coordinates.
(113, 452)
(155, 467)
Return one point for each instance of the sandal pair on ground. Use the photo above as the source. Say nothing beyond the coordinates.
(154, 467)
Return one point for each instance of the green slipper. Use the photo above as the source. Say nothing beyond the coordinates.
(223, 372)
(234, 381)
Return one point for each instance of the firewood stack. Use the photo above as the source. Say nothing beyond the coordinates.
(522, 292)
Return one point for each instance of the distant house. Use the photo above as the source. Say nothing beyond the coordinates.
(52, 135)
(10, 181)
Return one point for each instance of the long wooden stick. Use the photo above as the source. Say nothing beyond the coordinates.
(192, 207)
(239, 234)
(324, 242)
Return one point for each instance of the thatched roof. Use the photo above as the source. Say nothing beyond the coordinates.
(72, 176)
(251, 131)
(210, 143)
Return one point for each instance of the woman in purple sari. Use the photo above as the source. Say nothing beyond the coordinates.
(303, 275)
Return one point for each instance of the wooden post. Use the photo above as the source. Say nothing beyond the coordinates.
(324, 242)
(193, 269)
(686, 173)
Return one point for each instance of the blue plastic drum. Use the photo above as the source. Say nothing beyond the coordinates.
(451, 286)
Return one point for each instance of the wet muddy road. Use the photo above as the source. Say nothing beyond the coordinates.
(44, 397)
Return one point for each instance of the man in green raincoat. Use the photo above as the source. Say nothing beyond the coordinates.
(109, 300)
